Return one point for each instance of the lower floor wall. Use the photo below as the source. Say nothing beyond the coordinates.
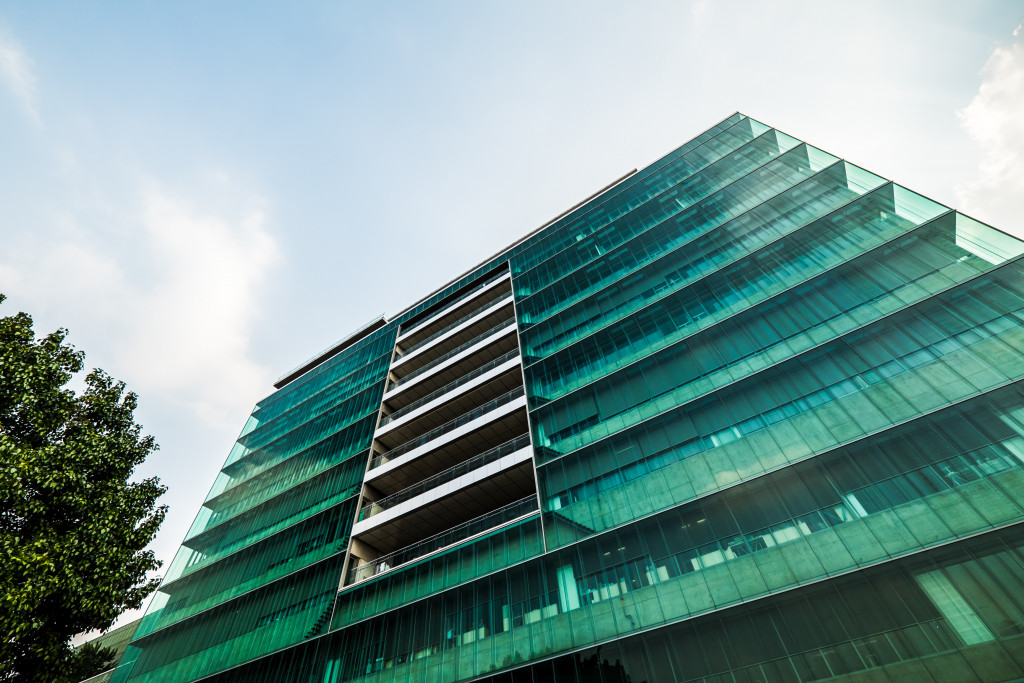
(652, 662)
(953, 613)
(947, 619)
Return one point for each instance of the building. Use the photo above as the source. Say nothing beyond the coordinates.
(750, 414)
(117, 641)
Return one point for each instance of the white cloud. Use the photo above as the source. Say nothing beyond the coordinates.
(16, 74)
(173, 301)
(193, 335)
(995, 121)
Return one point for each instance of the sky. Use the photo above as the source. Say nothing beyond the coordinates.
(206, 194)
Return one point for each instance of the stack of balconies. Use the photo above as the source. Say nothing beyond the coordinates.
(451, 456)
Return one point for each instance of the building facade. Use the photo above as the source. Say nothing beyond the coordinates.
(752, 413)
(116, 640)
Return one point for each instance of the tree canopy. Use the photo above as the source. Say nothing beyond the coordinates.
(73, 525)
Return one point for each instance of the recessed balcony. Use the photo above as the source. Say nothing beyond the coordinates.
(492, 367)
(455, 442)
(457, 338)
(446, 406)
(448, 498)
(484, 294)
(366, 566)
(496, 342)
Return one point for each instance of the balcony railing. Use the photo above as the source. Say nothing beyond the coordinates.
(462, 532)
(450, 474)
(451, 425)
(451, 354)
(469, 376)
(462, 297)
(447, 328)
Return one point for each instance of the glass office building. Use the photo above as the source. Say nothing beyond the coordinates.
(752, 413)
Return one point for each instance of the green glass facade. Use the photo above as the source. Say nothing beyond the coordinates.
(755, 414)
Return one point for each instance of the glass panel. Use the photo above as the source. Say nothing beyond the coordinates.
(880, 618)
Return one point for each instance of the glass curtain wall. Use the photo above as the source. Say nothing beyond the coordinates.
(776, 404)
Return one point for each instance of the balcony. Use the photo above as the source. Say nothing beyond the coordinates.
(448, 498)
(451, 386)
(446, 406)
(474, 328)
(365, 569)
(487, 292)
(382, 504)
(486, 422)
(493, 343)
(466, 327)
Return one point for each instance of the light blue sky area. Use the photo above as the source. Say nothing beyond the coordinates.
(206, 194)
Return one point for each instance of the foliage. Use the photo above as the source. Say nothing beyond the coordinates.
(73, 527)
(87, 661)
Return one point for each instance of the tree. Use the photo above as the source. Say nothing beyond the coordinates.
(73, 526)
(88, 660)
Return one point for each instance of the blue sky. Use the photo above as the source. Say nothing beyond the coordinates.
(207, 194)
